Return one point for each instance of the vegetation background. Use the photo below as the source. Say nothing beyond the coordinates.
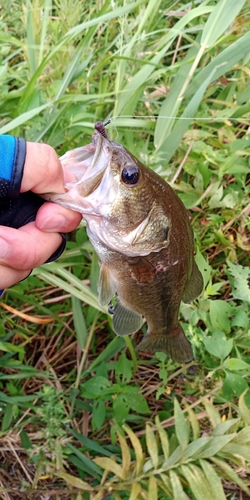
(84, 416)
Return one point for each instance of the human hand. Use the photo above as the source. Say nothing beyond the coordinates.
(32, 244)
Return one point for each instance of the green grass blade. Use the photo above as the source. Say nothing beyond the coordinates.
(222, 63)
(127, 100)
(89, 466)
(171, 105)
(214, 28)
(118, 12)
(83, 293)
(24, 118)
(79, 322)
(31, 46)
(172, 142)
(46, 12)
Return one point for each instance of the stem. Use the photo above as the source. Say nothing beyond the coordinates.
(132, 353)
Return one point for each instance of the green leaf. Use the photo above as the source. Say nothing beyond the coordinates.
(230, 473)
(218, 345)
(121, 408)
(214, 480)
(235, 364)
(7, 417)
(240, 319)
(204, 267)
(181, 427)
(220, 312)
(223, 427)
(234, 385)
(197, 482)
(97, 385)
(99, 413)
(213, 414)
(239, 277)
(124, 367)
(137, 402)
(214, 446)
(178, 492)
(26, 442)
(194, 448)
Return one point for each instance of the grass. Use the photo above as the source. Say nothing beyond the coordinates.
(83, 415)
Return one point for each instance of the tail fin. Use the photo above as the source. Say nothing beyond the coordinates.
(175, 344)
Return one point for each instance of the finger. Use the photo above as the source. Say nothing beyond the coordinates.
(51, 217)
(26, 247)
(49, 174)
(9, 277)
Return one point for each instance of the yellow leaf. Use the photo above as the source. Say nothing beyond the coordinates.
(163, 437)
(152, 445)
(135, 490)
(244, 410)
(27, 317)
(111, 466)
(137, 448)
(74, 481)
(126, 459)
(152, 489)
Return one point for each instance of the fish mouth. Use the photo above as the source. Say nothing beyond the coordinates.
(89, 164)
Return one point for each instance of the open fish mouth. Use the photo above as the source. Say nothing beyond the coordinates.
(89, 164)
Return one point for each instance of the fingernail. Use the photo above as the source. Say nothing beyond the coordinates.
(53, 223)
(4, 248)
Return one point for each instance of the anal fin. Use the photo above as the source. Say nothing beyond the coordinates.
(126, 321)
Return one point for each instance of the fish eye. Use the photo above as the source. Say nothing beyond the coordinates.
(130, 175)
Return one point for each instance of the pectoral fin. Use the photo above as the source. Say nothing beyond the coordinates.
(194, 286)
(106, 286)
(125, 321)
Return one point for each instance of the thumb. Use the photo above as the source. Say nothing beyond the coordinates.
(43, 171)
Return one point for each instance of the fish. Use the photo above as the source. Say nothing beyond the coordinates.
(142, 234)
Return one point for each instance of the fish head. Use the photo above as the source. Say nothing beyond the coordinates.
(118, 196)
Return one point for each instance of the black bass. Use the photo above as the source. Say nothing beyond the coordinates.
(142, 235)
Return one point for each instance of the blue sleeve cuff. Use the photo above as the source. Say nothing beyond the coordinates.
(12, 159)
(7, 155)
